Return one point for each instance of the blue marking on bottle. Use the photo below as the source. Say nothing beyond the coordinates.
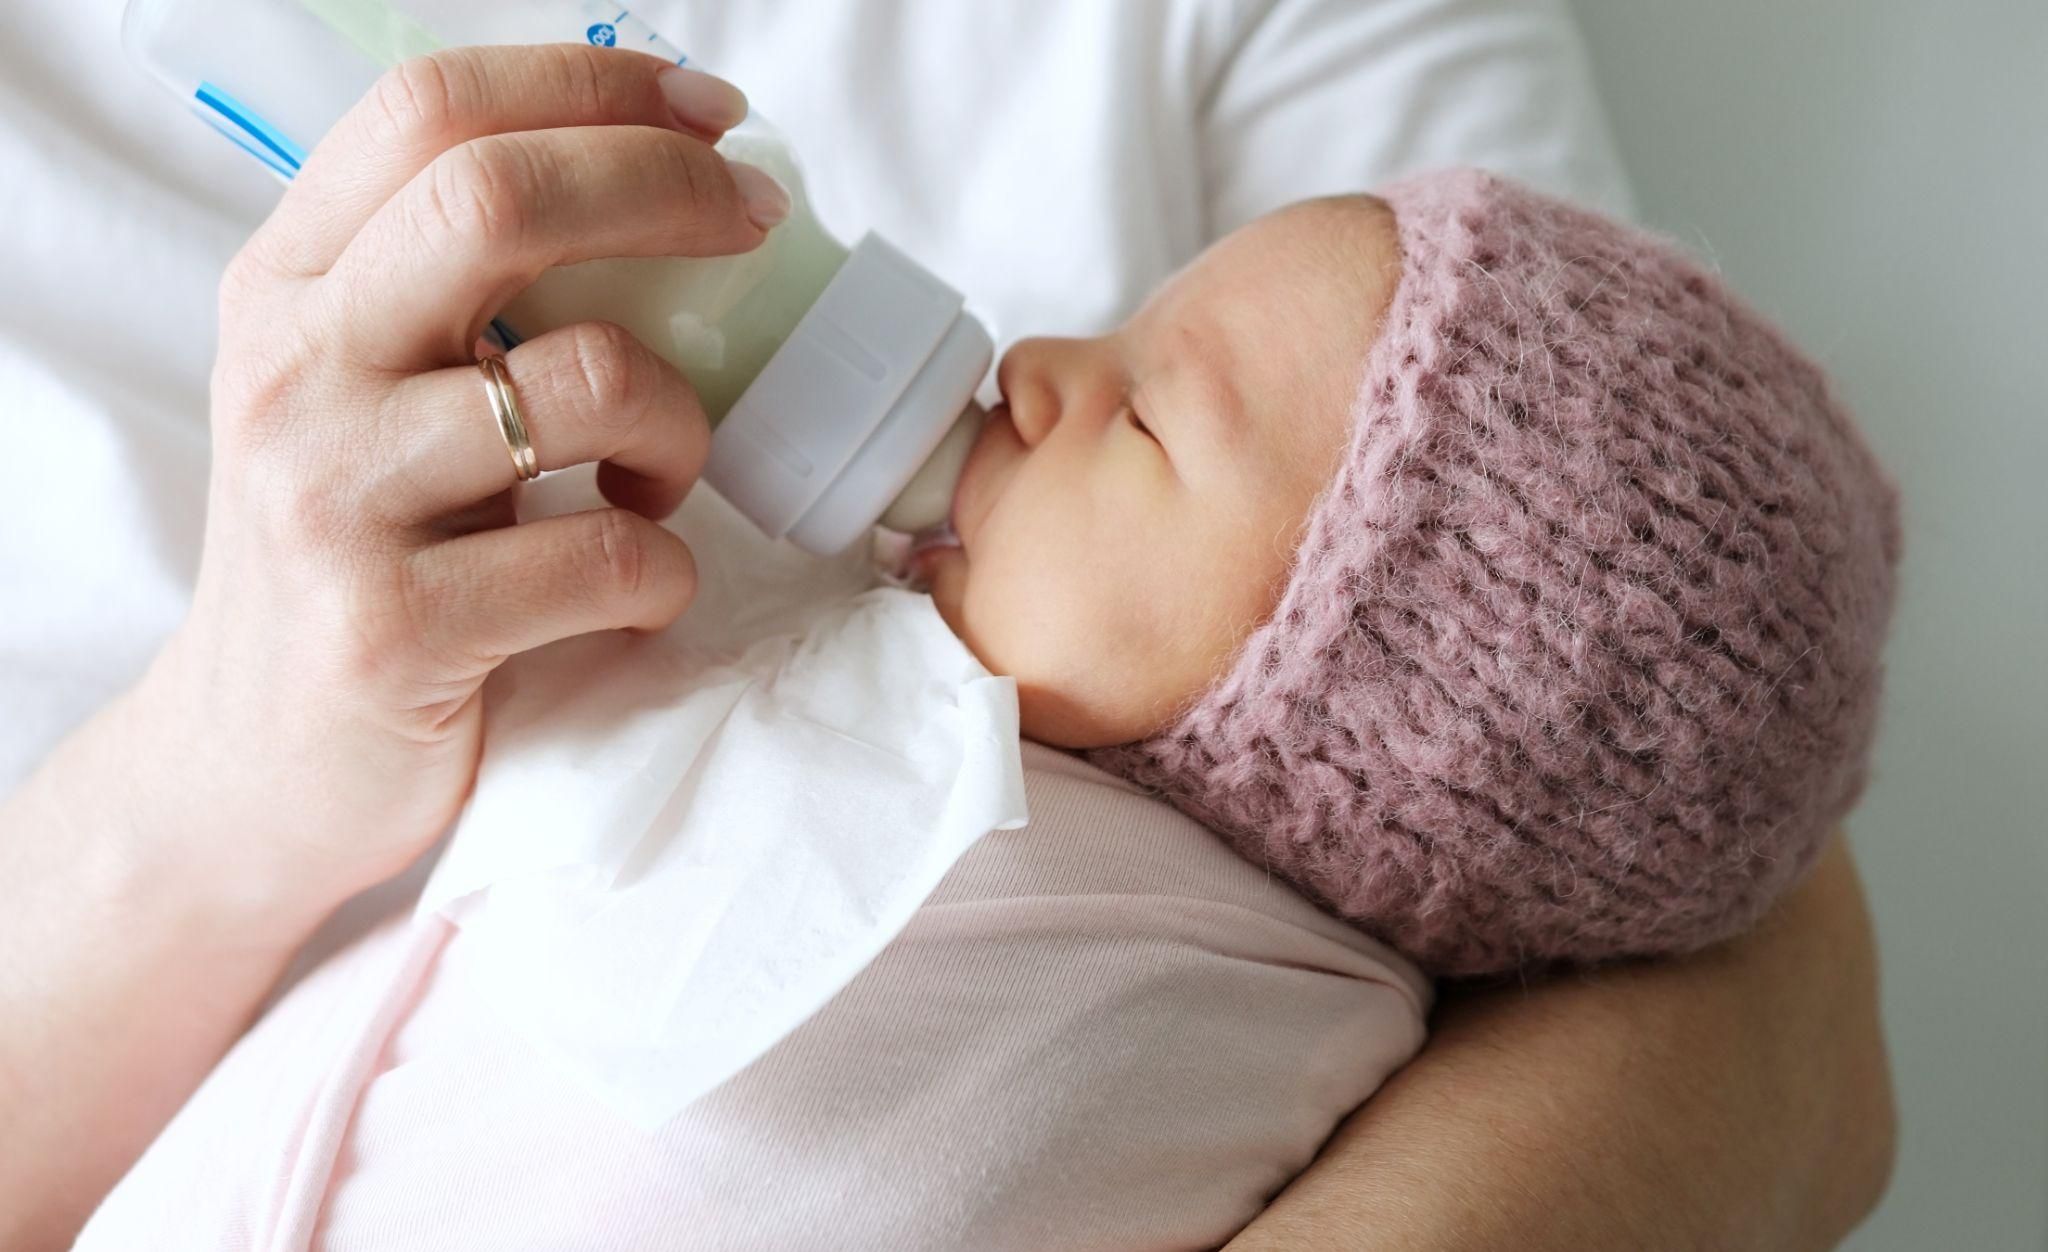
(269, 145)
(247, 129)
(603, 34)
(242, 141)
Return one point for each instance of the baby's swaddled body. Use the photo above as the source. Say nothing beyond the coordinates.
(1103, 1030)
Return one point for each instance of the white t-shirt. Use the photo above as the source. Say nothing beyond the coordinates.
(1054, 159)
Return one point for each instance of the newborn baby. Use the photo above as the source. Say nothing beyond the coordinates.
(1580, 573)
(1475, 565)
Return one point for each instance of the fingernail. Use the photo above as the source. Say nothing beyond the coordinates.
(767, 201)
(700, 101)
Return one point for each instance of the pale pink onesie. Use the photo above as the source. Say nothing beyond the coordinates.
(1102, 1031)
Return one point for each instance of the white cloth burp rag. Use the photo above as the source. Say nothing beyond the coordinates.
(676, 854)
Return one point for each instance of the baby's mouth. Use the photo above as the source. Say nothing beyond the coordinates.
(967, 498)
(938, 537)
(926, 544)
(932, 538)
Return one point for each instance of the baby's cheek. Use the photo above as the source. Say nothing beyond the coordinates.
(991, 606)
(1040, 623)
(1014, 615)
(1192, 606)
(1106, 626)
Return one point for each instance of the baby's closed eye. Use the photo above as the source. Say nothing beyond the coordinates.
(1137, 420)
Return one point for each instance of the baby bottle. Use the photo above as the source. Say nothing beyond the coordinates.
(839, 381)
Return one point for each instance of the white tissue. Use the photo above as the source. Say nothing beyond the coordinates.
(676, 854)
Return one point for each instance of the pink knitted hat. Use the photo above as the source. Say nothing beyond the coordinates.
(1579, 656)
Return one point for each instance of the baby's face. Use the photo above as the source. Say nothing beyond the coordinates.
(1130, 512)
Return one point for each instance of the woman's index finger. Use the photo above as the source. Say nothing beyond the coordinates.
(426, 105)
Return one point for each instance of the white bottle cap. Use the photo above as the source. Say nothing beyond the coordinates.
(844, 413)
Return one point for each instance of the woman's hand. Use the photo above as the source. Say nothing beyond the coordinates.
(361, 574)
(314, 723)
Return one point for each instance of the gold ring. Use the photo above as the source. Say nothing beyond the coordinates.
(505, 407)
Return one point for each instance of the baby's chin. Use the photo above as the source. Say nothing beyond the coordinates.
(1045, 714)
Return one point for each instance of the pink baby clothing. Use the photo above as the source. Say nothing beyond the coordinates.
(1103, 1030)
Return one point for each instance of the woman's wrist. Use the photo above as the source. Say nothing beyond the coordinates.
(136, 950)
(160, 820)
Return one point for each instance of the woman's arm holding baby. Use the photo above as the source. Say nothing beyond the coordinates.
(1739, 1098)
(316, 721)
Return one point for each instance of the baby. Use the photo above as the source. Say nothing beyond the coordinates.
(1473, 564)
(1549, 633)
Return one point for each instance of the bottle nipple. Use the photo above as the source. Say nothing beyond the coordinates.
(927, 499)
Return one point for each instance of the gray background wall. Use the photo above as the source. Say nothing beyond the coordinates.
(1874, 173)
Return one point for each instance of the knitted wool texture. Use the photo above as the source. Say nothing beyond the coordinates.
(1579, 656)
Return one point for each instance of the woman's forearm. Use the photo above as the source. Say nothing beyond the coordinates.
(126, 970)
(316, 722)
(1739, 1098)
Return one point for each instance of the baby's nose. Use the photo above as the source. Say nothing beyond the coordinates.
(1042, 380)
(1030, 386)
(1034, 412)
